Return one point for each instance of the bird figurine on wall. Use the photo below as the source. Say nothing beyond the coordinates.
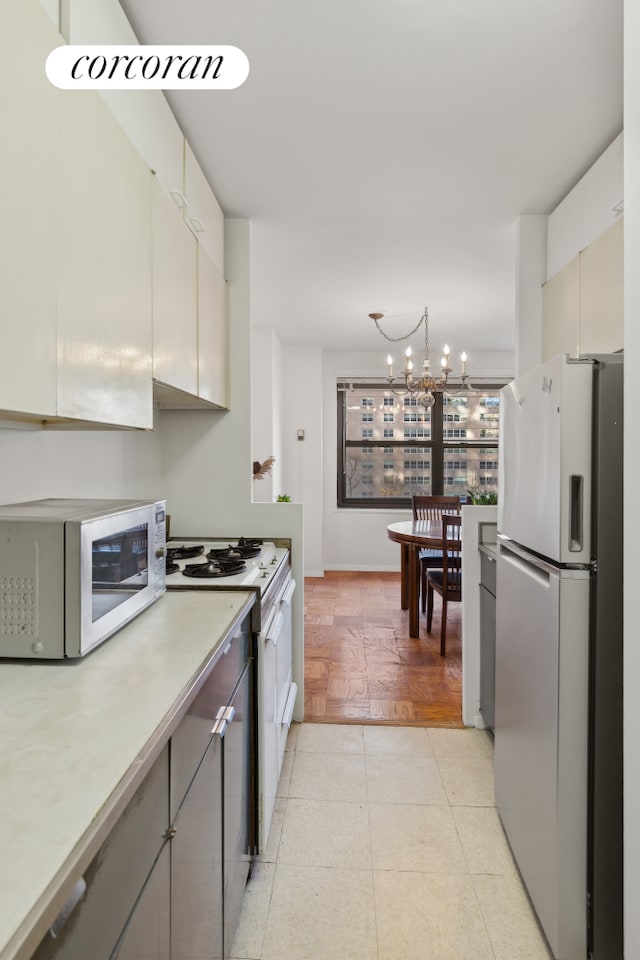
(260, 470)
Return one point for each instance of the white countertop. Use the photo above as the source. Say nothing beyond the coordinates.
(77, 736)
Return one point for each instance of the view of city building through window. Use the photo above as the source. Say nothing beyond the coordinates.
(390, 447)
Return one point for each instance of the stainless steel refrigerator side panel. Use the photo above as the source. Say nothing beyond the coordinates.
(606, 815)
(545, 460)
(541, 714)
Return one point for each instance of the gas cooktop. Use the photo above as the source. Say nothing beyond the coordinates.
(223, 565)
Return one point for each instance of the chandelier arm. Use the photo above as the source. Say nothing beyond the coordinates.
(406, 336)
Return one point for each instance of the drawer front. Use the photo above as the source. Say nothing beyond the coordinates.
(488, 573)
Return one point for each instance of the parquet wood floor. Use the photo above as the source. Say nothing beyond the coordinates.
(361, 666)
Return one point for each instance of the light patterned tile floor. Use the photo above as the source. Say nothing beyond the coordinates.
(385, 845)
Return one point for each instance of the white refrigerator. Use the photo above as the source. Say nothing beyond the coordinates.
(558, 684)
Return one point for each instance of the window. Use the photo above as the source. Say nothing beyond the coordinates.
(452, 447)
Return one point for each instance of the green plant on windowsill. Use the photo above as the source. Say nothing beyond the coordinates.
(482, 499)
(283, 498)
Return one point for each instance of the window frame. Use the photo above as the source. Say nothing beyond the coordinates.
(437, 443)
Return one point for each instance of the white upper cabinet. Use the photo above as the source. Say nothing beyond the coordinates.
(27, 237)
(104, 268)
(212, 332)
(189, 314)
(75, 264)
(106, 283)
(175, 320)
(203, 213)
(144, 115)
(583, 308)
(602, 293)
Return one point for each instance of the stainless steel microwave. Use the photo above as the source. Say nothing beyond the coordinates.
(72, 572)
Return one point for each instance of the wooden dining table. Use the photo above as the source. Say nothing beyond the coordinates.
(414, 536)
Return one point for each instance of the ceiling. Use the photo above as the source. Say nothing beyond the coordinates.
(384, 149)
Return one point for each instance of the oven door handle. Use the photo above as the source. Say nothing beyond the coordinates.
(275, 629)
(288, 593)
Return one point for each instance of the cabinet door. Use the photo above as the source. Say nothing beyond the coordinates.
(196, 864)
(487, 657)
(116, 875)
(175, 330)
(203, 212)
(147, 935)
(561, 312)
(269, 739)
(104, 268)
(238, 758)
(27, 242)
(601, 293)
(212, 332)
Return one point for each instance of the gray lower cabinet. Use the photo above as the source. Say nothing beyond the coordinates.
(130, 871)
(147, 934)
(168, 882)
(487, 639)
(211, 790)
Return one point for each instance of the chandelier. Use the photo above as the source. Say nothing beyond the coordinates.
(423, 387)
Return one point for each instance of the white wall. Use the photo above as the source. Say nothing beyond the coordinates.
(531, 272)
(265, 411)
(88, 463)
(303, 459)
(631, 474)
(356, 539)
(588, 210)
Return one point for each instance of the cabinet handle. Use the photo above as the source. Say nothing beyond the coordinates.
(223, 718)
(71, 903)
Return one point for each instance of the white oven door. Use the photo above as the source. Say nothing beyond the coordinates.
(277, 700)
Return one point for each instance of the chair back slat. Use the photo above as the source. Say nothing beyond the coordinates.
(451, 554)
(431, 508)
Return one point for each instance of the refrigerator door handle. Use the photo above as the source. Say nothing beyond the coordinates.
(525, 561)
(576, 497)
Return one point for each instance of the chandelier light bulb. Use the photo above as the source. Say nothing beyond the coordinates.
(408, 352)
(446, 350)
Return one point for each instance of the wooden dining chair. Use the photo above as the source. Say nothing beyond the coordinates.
(431, 508)
(448, 581)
